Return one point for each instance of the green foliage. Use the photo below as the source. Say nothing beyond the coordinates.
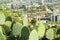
(25, 21)
(11, 37)
(1, 30)
(2, 19)
(50, 34)
(37, 22)
(16, 30)
(24, 33)
(8, 18)
(41, 30)
(33, 35)
(11, 24)
(33, 21)
(7, 26)
(46, 25)
(1, 34)
(6, 12)
(58, 31)
(6, 29)
(8, 23)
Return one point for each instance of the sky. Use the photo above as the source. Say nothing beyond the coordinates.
(31, 0)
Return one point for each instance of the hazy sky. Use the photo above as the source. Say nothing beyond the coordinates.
(32, 0)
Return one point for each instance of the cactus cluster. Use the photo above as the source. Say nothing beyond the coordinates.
(23, 31)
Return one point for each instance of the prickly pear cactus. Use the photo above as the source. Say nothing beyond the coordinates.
(25, 21)
(33, 35)
(16, 30)
(46, 25)
(1, 34)
(1, 29)
(8, 23)
(6, 29)
(2, 19)
(50, 34)
(41, 30)
(8, 18)
(7, 26)
(24, 33)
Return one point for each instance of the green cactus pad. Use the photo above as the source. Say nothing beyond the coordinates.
(50, 34)
(46, 25)
(7, 26)
(41, 30)
(33, 35)
(8, 23)
(6, 29)
(16, 30)
(0, 29)
(25, 21)
(24, 33)
(2, 19)
(8, 18)
(1, 34)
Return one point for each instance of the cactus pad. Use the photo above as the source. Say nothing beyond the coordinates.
(16, 30)
(50, 34)
(25, 21)
(1, 34)
(41, 30)
(33, 35)
(2, 19)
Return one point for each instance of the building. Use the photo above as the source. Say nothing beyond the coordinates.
(58, 18)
